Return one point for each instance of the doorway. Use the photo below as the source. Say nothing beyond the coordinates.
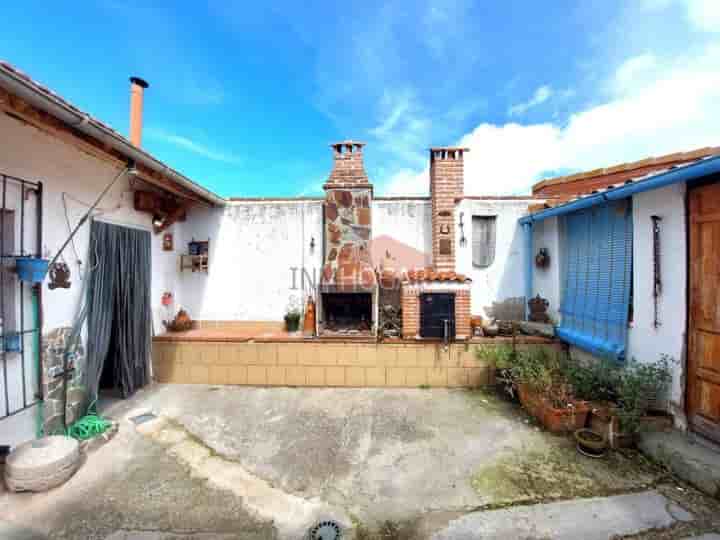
(437, 315)
(703, 383)
(119, 318)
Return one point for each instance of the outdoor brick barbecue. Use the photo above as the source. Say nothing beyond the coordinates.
(348, 286)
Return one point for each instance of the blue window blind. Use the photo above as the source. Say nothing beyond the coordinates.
(597, 278)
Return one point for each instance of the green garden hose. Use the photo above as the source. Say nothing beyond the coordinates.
(89, 426)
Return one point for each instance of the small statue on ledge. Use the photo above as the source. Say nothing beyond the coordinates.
(181, 323)
(538, 310)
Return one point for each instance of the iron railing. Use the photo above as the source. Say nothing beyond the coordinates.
(15, 196)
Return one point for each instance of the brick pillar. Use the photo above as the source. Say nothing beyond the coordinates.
(410, 312)
(462, 314)
(446, 184)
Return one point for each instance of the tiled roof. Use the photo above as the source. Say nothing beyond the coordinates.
(586, 182)
(430, 275)
(562, 200)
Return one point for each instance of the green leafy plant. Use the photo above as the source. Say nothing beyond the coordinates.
(544, 371)
(502, 357)
(639, 384)
(292, 319)
(592, 380)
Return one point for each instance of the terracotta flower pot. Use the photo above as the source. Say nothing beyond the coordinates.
(567, 419)
(555, 420)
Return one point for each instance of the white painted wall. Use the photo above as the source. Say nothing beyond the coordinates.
(645, 342)
(407, 221)
(253, 248)
(546, 281)
(505, 277)
(30, 153)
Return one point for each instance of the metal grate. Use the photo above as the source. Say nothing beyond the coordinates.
(325, 530)
(20, 235)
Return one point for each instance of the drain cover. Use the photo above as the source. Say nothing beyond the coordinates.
(142, 418)
(326, 530)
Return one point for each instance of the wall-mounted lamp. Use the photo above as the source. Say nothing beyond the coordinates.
(463, 240)
(312, 244)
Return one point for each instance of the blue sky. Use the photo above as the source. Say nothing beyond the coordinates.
(245, 98)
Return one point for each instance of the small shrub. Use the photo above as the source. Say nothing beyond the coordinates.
(594, 380)
(502, 357)
(638, 384)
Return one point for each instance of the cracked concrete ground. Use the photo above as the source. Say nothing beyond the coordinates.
(241, 462)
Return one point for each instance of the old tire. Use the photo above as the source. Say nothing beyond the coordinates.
(42, 464)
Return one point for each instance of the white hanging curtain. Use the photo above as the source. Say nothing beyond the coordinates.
(483, 240)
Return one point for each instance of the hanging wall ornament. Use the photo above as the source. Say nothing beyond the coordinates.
(59, 274)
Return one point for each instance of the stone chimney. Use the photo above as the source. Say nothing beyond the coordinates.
(348, 169)
(137, 89)
(446, 184)
(348, 221)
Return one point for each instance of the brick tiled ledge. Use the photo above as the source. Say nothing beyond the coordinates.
(321, 364)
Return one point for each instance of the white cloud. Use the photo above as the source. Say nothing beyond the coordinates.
(403, 128)
(659, 106)
(541, 95)
(704, 14)
(184, 143)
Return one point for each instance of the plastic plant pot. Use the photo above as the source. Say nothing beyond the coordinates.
(31, 269)
(590, 443)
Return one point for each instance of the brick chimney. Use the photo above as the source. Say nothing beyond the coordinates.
(446, 184)
(348, 169)
(137, 89)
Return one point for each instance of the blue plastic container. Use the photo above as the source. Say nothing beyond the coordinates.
(11, 343)
(31, 269)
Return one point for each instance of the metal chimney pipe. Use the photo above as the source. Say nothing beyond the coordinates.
(137, 88)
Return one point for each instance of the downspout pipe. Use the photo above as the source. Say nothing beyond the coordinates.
(528, 237)
(705, 167)
(80, 121)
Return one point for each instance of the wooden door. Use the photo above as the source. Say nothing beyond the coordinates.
(703, 398)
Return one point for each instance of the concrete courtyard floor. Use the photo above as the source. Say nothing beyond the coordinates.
(264, 463)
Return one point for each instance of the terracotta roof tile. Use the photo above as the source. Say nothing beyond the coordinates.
(585, 182)
(417, 275)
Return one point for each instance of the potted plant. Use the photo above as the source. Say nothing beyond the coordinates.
(595, 381)
(502, 358)
(292, 319)
(621, 396)
(639, 386)
(545, 392)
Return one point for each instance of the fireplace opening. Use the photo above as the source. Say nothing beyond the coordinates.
(349, 313)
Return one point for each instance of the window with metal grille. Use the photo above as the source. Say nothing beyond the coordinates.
(597, 278)
(483, 240)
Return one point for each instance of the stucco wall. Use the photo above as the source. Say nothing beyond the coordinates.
(504, 278)
(30, 153)
(546, 281)
(646, 343)
(407, 222)
(253, 248)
